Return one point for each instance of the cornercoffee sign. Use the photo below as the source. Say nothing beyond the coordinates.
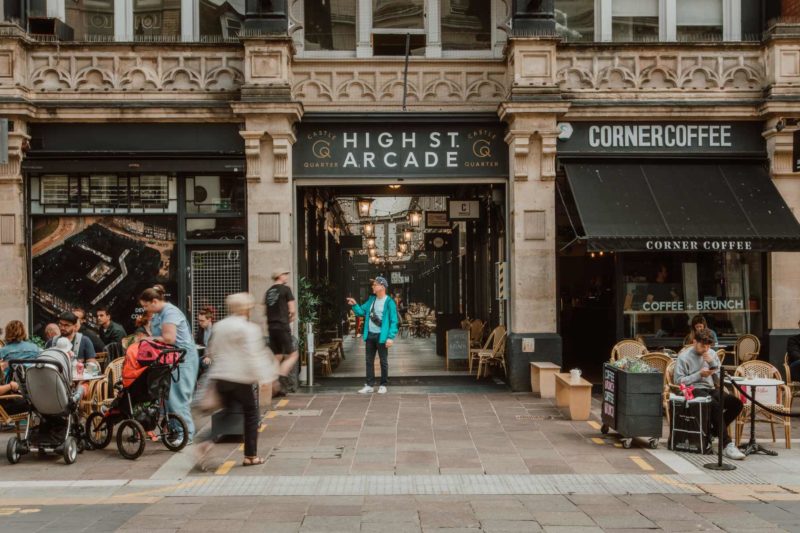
(400, 150)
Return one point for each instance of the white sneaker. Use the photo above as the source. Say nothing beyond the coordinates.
(366, 389)
(732, 452)
(381, 390)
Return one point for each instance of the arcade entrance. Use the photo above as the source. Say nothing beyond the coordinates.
(438, 246)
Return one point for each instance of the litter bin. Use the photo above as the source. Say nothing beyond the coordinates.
(632, 404)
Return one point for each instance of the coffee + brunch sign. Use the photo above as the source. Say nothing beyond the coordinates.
(399, 151)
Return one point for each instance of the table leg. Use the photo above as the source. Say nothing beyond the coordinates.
(752, 446)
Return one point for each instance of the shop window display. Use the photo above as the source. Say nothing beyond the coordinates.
(663, 293)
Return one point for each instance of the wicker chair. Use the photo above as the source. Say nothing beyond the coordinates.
(657, 360)
(476, 328)
(783, 401)
(628, 348)
(793, 385)
(747, 348)
(6, 418)
(103, 391)
(488, 347)
(497, 357)
(669, 386)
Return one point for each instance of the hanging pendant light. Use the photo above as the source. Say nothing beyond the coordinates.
(371, 242)
(403, 247)
(408, 235)
(369, 229)
(415, 218)
(364, 205)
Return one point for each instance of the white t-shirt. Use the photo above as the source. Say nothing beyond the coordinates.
(377, 308)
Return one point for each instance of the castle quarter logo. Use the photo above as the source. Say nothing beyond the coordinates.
(482, 140)
(321, 148)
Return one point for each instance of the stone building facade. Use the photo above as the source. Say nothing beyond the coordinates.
(532, 80)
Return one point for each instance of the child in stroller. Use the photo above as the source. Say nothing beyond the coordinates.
(139, 408)
(47, 387)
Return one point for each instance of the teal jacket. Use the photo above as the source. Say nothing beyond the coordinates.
(389, 322)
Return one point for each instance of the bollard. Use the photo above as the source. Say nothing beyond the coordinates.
(310, 348)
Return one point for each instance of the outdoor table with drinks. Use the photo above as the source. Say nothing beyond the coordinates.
(752, 447)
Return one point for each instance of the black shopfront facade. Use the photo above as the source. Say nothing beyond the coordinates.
(116, 208)
(662, 221)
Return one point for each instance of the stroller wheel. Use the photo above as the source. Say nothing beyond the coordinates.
(130, 439)
(98, 431)
(70, 450)
(13, 450)
(174, 432)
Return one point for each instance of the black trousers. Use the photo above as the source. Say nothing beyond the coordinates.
(731, 407)
(242, 393)
(383, 353)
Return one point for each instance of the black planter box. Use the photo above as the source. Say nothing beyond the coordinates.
(632, 403)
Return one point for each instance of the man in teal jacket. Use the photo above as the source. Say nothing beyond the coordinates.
(379, 332)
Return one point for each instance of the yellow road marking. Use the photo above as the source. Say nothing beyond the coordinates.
(261, 429)
(594, 424)
(271, 414)
(283, 403)
(598, 441)
(224, 468)
(153, 492)
(241, 447)
(641, 463)
(617, 445)
(29, 511)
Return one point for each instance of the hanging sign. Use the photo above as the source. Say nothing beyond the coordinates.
(400, 150)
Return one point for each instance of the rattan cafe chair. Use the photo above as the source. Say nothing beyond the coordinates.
(782, 402)
(628, 348)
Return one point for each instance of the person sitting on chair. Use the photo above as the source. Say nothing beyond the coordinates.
(698, 366)
(793, 351)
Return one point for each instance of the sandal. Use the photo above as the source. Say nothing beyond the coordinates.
(252, 461)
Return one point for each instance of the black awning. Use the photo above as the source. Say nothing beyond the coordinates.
(676, 206)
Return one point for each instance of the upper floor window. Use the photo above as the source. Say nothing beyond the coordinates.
(429, 28)
(649, 20)
(330, 24)
(156, 19)
(220, 20)
(91, 20)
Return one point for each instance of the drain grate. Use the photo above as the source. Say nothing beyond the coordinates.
(300, 452)
(740, 475)
(539, 417)
(298, 412)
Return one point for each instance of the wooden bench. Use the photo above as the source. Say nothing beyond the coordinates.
(575, 395)
(543, 378)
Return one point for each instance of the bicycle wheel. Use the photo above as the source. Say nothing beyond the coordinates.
(130, 439)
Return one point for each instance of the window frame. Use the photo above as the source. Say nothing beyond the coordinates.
(667, 21)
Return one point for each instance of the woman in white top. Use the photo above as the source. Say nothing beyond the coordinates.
(241, 359)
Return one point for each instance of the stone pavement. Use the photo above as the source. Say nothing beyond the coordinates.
(407, 462)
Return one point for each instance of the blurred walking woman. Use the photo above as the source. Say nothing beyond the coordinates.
(241, 360)
(168, 324)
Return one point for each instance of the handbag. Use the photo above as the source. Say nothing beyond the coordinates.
(209, 399)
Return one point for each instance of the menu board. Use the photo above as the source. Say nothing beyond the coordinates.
(609, 393)
(457, 345)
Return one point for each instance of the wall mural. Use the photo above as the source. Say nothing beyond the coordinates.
(100, 261)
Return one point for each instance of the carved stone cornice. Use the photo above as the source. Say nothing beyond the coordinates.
(270, 133)
(780, 147)
(532, 137)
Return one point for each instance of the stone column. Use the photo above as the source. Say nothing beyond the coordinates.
(13, 256)
(533, 300)
(782, 301)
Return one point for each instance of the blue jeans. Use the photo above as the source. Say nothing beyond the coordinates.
(383, 353)
(794, 369)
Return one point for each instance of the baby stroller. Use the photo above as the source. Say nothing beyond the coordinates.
(52, 426)
(139, 410)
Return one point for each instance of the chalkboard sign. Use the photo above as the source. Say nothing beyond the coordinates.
(457, 346)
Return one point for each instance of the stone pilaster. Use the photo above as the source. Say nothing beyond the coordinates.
(12, 230)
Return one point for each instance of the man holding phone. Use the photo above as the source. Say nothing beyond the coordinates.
(379, 332)
(698, 366)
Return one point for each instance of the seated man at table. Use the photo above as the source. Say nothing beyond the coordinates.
(81, 346)
(698, 366)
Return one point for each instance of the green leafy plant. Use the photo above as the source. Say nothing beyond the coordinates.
(38, 341)
(307, 309)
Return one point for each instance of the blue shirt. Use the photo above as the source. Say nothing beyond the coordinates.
(19, 350)
(172, 315)
(377, 308)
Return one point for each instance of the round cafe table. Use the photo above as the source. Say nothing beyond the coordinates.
(753, 447)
